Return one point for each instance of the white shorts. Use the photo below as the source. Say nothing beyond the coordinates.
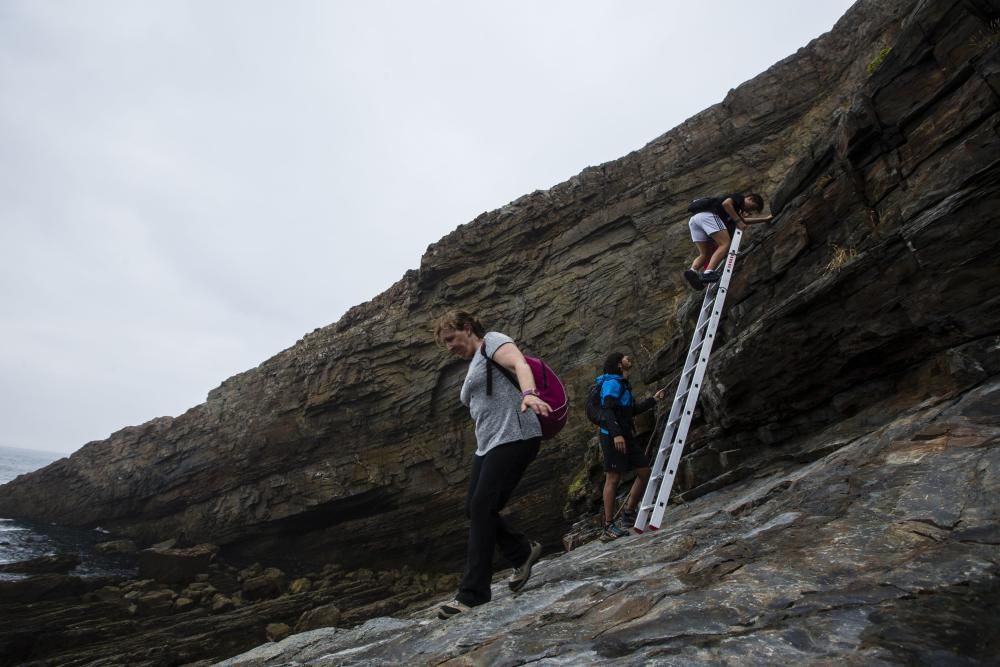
(704, 224)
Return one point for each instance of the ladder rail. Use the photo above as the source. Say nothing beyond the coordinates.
(689, 385)
(676, 412)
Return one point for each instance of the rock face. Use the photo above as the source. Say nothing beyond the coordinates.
(884, 552)
(874, 291)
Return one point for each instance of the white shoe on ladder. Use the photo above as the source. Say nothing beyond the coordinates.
(668, 455)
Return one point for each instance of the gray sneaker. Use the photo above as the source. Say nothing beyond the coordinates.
(453, 608)
(523, 573)
(612, 531)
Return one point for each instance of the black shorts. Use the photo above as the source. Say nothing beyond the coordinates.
(616, 461)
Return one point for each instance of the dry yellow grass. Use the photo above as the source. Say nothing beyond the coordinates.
(841, 257)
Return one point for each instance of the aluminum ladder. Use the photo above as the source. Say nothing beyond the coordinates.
(663, 472)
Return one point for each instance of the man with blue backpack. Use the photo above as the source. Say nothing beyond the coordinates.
(611, 406)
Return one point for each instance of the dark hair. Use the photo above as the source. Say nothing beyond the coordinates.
(456, 320)
(613, 362)
(757, 200)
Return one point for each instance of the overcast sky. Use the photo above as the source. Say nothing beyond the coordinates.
(186, 188)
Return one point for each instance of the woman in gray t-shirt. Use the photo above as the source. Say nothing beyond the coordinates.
(498, 417)
(507, 439)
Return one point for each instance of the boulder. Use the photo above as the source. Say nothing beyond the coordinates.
(300, 585)
(183, 604)
(156, 602)
(268, 584)
(275, 632)
(221, 603)
(175, 565)
(117, 547)
(327, 616)
(199, 590)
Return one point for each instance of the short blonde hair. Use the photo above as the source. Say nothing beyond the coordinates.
(456, 320)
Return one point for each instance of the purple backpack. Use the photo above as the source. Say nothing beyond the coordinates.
(547, 383)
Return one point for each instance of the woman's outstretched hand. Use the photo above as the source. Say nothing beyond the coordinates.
(537, 405)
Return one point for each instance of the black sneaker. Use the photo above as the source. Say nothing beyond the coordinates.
(453, 608)
(521, 574)
(694, 279)
(710, 277)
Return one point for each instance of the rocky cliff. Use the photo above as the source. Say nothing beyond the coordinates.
(873, 292)
(883, 552)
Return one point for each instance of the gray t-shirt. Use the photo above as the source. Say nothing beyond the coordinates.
(498, 417)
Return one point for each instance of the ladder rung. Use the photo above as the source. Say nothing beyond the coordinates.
(643, 508)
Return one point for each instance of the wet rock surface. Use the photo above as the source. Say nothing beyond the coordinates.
(838, 492)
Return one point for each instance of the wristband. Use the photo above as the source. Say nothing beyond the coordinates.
(529, 392)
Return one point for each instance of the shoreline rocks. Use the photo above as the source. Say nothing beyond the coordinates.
(50, 564)
(99, 619)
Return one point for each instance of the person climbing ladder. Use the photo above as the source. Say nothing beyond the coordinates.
(713, 224)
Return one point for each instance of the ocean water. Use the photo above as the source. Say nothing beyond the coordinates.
(23, 540)
(14, 462)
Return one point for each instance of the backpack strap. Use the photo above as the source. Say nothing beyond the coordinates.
(622, 388)
(490, 363)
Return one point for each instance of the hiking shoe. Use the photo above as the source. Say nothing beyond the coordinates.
(522, 573)
(453, 608)
(612, 532)
(710, 277)
(694, 279)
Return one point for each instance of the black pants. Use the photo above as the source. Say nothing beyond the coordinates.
(494, 477)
